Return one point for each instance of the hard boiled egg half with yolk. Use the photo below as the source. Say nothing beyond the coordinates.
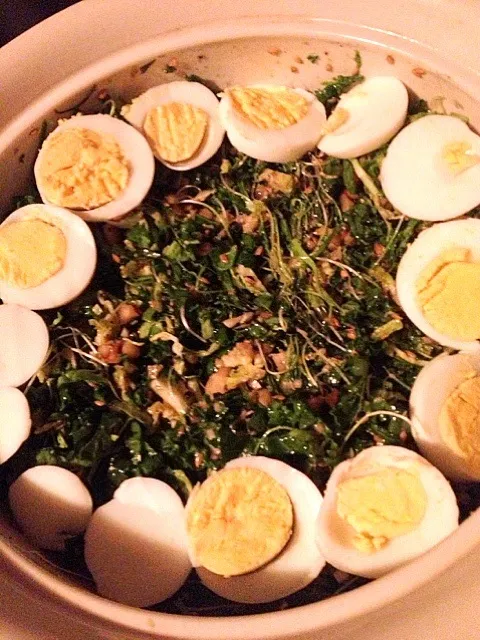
(47, 256)
(180, 121)
(445, 412)
(95, 165)
(251, 530)
(383, 508)
(272, 123)
(432, 169)
(365, 118)
(135, 545)
(438, 283)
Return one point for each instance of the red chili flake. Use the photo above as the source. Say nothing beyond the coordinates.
(329, 67)
(390, 59)
(419, 72)
(378, 249)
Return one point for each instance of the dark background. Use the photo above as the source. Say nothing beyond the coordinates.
(19, 15)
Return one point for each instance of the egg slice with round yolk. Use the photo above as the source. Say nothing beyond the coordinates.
(432, 169)
(445, 413)
(438, 283)
(282, 557)
(180, 121)
(95, 165)
(365, 118)
(382, 508)
(272, 123)
(47, 257)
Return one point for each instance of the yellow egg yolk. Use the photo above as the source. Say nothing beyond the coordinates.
(269, 108)
(459, 157)
(238, 520)
(459, 422)
(175, 131)
(82, 169)
(382, 505)
(31, 252)
(448, 292)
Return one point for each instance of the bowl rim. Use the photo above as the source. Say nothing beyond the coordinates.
(316, 616)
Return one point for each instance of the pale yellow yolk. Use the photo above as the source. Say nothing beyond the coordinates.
(31, 252)
(459, 157)
(339, 117)
(381, 506)
(275, 108)
(239, 520)
(175, 130)
(82, 169)
(459, 422)
(448, 292)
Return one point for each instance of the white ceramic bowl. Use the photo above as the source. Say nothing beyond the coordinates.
(213, 41)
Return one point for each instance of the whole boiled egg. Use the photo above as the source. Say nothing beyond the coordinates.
(50, 504)
(382, 508)
(445, 413)
(15, 421)
(24, 345)
(180, 121)
(251, 530)
(272, 123)
(365, 118)
(47, 256)
(95, 165)
(438, 283)
(135, 545)
(432, 169)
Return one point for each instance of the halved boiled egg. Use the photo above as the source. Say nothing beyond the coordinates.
(50, 504)
(24, 345)
(432, 169)
(272, 123)
(180, 121)
(445, 412)
(365, 118)
(15, 421)
(47, 256)
(95, 165)
(438, 283)
(383, 508)
(135, 545)
(251, 530)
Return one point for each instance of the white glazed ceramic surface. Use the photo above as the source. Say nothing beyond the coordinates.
(104, 44)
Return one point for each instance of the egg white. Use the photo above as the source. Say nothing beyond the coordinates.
(376, 110)
(415, 178)
(182, 91)
(434, 384)
(75, 274)
(274, 145)
(15, 421)
(50, 504)
(334, 535)
(135, 545)
(134, 147)
(298, 564)
(427, 247)
(24, 345)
